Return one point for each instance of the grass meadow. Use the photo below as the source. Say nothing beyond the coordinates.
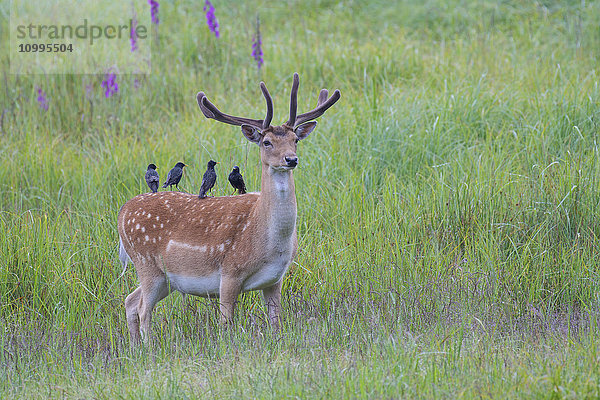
(448, 206)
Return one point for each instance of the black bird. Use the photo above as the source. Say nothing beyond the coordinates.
(237, 181)
(152, 178)
(209, 179)
(174, 176)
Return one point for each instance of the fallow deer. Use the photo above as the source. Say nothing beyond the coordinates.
(220, 246)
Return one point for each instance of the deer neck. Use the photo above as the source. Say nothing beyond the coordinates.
(278, 202)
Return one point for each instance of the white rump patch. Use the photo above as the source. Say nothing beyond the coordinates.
(123, 256)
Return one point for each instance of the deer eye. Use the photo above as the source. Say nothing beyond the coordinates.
(266, 143)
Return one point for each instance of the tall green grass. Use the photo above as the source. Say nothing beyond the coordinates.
(447, 220)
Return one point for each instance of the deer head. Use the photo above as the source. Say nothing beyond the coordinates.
(277, 143)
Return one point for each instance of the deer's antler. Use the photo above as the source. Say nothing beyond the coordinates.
(323, 105)
(211, 111)
(324, 102)
(294, 101)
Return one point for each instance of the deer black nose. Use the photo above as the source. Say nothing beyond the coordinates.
(291, 161)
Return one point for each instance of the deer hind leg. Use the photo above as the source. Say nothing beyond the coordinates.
(152, 293)
(272, 297)
(228, 293)
(132, 303)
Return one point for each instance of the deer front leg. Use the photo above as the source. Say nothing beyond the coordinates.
(228, 294)
(272, 297)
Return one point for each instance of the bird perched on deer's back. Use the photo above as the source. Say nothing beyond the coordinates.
(174, 175)
(237, 181)
(208, 180)
(152, 178)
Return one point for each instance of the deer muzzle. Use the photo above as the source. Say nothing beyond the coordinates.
(292, 162)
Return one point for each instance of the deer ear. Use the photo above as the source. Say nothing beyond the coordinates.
(302, 131)
(251, 133)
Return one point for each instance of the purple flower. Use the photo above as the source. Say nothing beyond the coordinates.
(110, 84)
(257, 52)
(41, 99)
(211, 20)
(133, 33)
(154, 10)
